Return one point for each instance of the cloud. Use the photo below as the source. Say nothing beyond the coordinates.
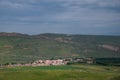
(65, 3)
(71, 14)
(9, 4)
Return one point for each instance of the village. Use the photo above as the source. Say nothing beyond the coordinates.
(53, 62)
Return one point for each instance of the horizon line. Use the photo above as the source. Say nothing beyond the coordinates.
(31, 34)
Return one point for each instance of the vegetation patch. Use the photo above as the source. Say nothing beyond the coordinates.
(71, 72)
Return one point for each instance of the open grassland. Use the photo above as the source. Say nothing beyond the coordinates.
(69, 72)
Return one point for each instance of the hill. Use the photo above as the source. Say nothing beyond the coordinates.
(16, 47)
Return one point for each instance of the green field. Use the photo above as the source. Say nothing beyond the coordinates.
(68, 72)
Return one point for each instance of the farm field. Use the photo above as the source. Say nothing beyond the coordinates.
(67, 72)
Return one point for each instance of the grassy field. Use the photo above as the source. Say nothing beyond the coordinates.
(69, 72)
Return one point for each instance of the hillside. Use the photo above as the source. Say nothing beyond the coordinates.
(16, 47)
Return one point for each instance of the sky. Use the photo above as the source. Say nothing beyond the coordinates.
(93, 17)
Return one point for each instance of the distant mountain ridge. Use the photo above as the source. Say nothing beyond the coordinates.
(17, 47)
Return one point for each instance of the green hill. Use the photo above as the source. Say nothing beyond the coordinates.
(16, 47)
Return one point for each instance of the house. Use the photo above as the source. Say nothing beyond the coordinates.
(89, 60)
(57, 62)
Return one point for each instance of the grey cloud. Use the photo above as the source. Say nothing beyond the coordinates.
(73, 13)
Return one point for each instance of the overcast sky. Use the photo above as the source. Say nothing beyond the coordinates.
(98, 17)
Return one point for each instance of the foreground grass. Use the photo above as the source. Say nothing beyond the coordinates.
(74, 72)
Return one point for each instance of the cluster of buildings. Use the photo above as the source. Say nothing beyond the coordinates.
(56, 62)
(88, 60)
(39, 63)
(49, 62)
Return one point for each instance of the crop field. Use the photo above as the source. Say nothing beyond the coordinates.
(68, 72)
